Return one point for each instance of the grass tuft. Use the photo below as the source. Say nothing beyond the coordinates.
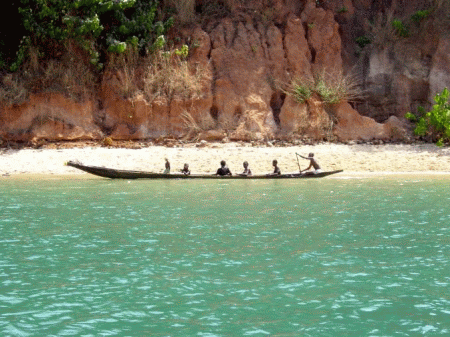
(170, 76)
(165, 74)
(331, 88)
(126, 66)
(13, 90)
(301, 90)
(70, 75)
(193, 127)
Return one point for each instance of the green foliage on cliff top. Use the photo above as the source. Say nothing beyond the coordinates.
(435, 123)
(59, 45)
(98, 26)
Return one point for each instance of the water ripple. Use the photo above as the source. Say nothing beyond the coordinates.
(142, 259)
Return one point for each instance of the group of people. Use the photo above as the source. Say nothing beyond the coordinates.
(223, 170)
(185, 170)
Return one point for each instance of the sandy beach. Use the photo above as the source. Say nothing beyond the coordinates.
(204, 158)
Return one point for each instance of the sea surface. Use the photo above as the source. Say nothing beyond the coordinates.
(322, 257)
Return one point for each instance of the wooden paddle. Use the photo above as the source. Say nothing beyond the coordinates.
(298, 162)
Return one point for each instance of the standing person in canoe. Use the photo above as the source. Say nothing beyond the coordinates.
(223, 170)
(167, 167)
(312, 164)
(276, 169)
(247, 171)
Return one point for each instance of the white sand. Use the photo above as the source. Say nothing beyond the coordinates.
(353, 159)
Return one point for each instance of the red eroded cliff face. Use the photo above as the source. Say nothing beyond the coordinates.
(250, 59)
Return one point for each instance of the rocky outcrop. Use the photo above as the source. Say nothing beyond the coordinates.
(242, 58)
(138, 117)
(308, 120)
(249, 60)
(352, 126)
(298, 53)
(401, 68)
(398, 80)
(51, 117)
(440, 68)
(323, 38)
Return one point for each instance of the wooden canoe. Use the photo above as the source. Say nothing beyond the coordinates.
(129, 174)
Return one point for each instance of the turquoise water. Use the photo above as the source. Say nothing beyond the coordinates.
(329, 257)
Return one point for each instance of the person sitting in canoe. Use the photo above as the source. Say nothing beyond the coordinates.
(223, 170)
(276, 169)
(185, 170)
(312, 163)
(167, 169)
(247, 171)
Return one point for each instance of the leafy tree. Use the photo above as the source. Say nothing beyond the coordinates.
(436, 122)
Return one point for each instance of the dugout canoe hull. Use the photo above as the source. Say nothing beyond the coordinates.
(129, 174)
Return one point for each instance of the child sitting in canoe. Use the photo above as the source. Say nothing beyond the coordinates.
(276, 169)
(185, 170)
(247, 171)
(223, 170)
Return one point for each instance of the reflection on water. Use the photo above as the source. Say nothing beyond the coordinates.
(282, 258)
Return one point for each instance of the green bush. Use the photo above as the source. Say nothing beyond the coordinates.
(363, 41)
(435, 123)
(420, 15)
(400, 28)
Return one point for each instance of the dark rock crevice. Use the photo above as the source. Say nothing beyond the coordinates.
(276, 103)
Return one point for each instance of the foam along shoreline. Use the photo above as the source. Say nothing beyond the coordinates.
(355, 160)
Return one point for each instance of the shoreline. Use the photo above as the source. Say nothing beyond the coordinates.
(342, 176)
(355, 160)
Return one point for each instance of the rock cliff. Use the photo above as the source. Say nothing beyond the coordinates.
(255, 60)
